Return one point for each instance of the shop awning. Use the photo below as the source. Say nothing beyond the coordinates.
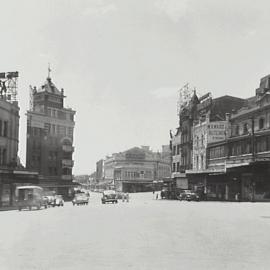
(207, 171)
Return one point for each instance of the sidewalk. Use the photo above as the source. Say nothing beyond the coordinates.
(8, 208)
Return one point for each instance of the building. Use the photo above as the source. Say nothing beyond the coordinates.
(182, 143)
(12, 174)
(136, 169)
(83, 181)
(201, 121)
(100, 171)
(205, 133)
(50, 127)
(242, 161)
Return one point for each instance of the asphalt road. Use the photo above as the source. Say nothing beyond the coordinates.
(142, 234)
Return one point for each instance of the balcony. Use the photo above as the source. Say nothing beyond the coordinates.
(66, 177)
(67, 148)
(67, 163)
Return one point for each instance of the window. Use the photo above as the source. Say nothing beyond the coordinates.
(173, 167)
(70, 132)
(178, 149)
(55, 129)
(48, 128)
(5, 133)
(245, 128)
(202, 161)
(261, 144)
(202, 139)
(62, 115)
(178, 166)
(261, 123)
(3, 156)
(237, 130)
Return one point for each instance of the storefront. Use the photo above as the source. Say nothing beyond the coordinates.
(131, 187)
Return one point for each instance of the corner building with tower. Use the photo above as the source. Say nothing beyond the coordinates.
(50, 128)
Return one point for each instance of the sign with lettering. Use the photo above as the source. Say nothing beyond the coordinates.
(216, 131)
(135, 154)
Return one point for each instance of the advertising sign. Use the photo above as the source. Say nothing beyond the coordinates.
(216, 131)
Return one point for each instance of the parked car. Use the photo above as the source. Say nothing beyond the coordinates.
(58, 201)
(49, 199)
(167, 194)
(188, 195)
(109, 196)
(46, 200)
(80, 199)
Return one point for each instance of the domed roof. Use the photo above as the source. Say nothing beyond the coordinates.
(50, 87)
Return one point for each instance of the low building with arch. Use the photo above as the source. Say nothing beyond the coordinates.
(136, 169)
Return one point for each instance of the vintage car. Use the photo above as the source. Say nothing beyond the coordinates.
(109, 196)
(49, 199)
(30, 196)
(165, 193)
(188, 195)
(80, 199)
(58, 201)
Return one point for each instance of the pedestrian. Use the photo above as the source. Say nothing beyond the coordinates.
(157, 196)
(127, 197)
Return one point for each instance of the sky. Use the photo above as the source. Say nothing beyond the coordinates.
(122, 62)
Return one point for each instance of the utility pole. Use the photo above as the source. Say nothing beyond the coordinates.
(253, 158)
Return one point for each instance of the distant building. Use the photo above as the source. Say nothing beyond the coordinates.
(83, 181)
(50, 128)
(99, 171)
(136, 169)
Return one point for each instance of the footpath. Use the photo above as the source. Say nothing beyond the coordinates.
(8, 208)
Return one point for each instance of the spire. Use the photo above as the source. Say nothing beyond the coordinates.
(49, 71)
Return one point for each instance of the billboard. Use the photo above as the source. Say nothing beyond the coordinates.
(216, 131)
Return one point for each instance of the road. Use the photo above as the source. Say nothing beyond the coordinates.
(142, 234)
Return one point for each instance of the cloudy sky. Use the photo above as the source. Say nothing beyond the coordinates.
(121, 62)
